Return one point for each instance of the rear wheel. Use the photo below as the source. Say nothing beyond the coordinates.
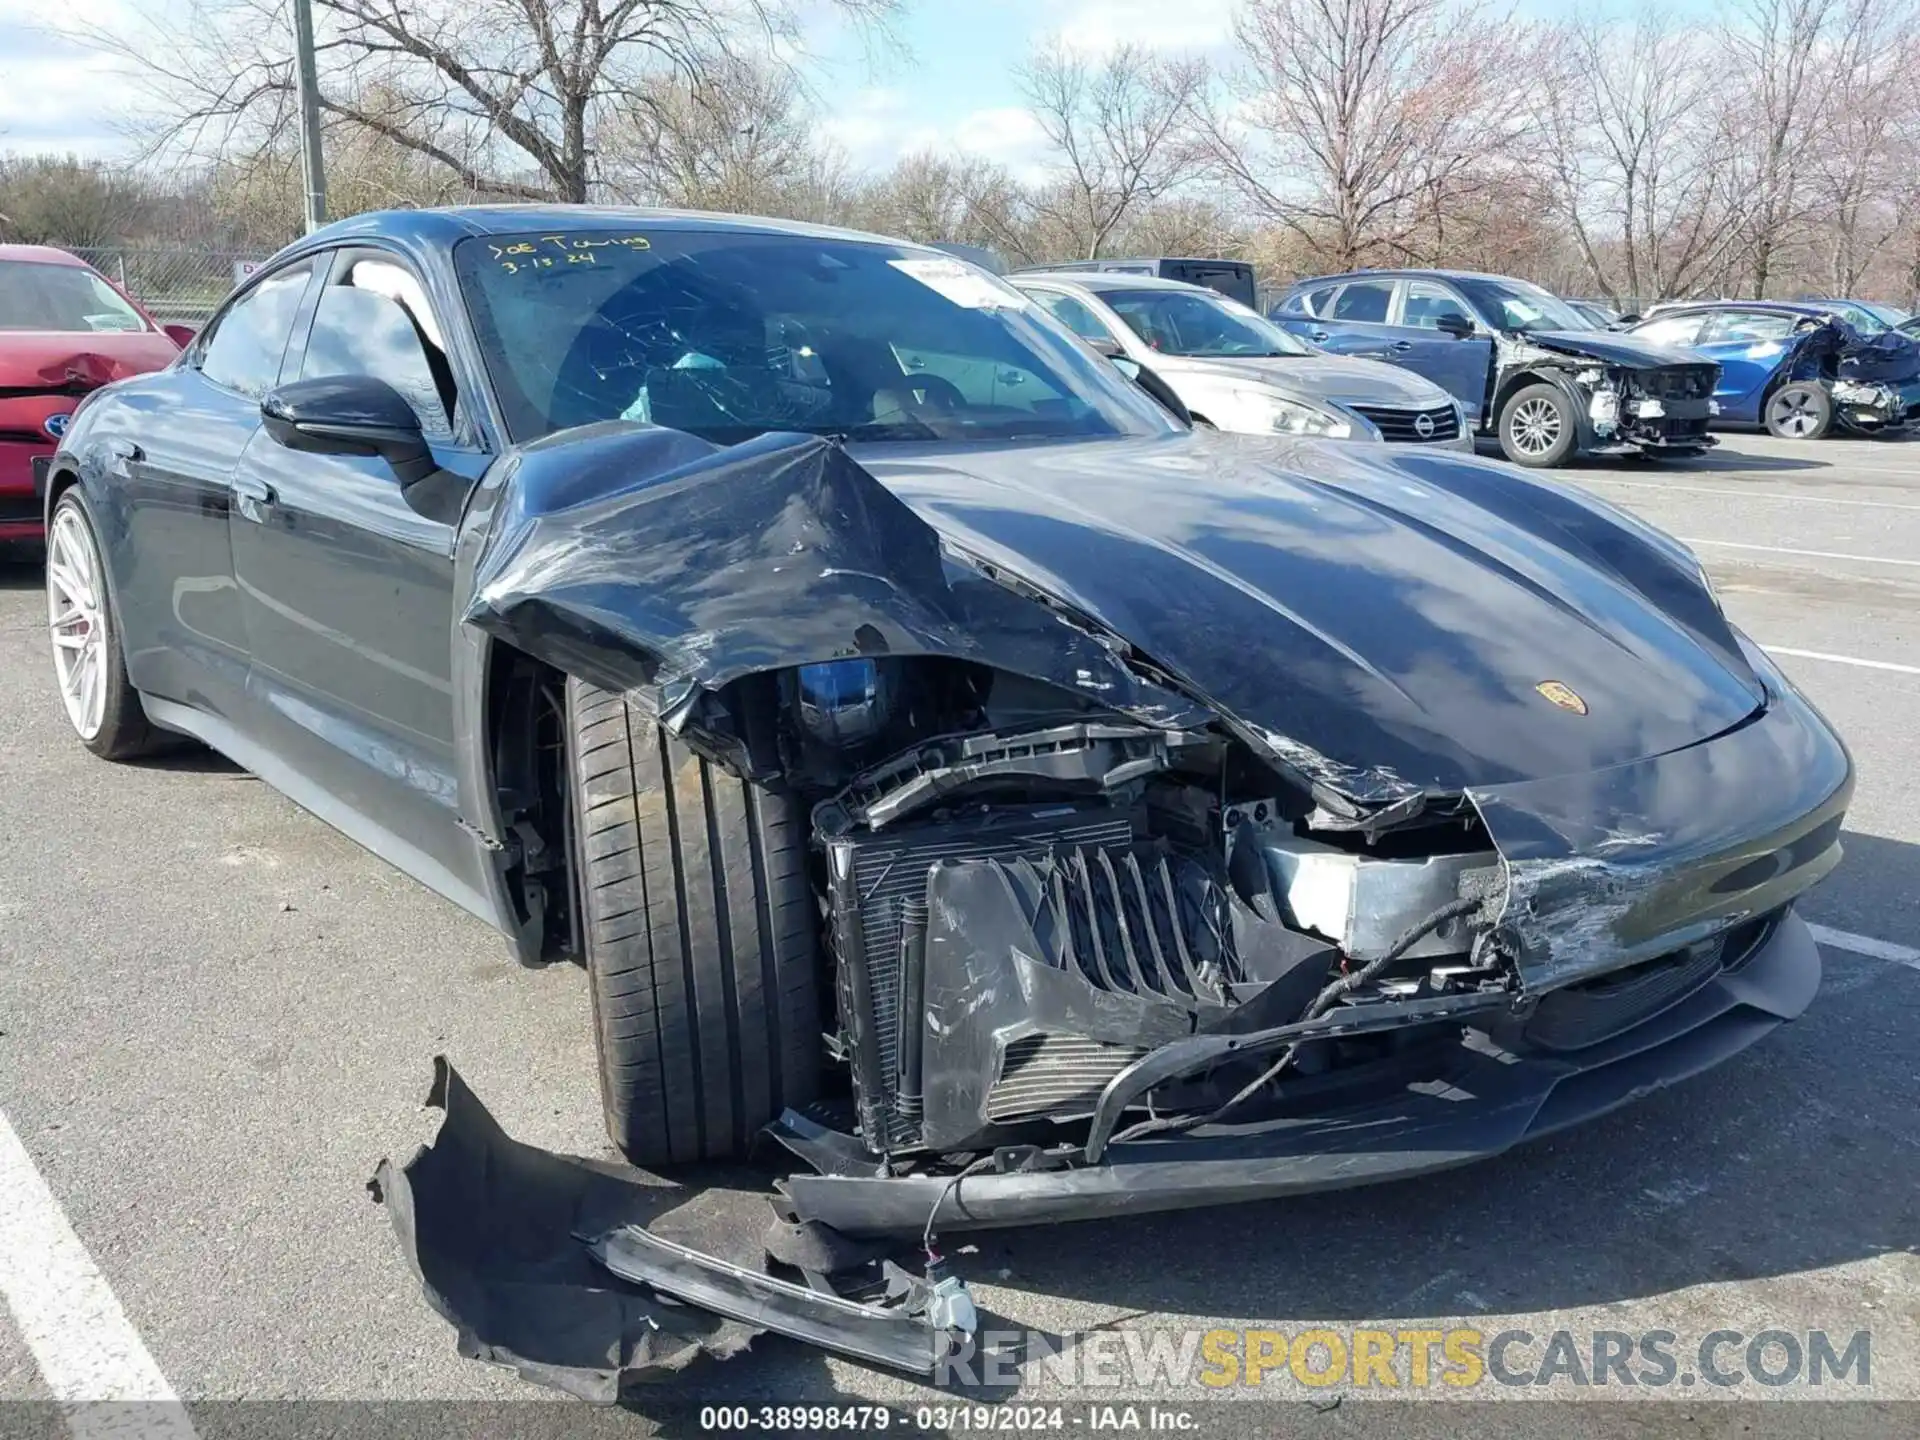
(1799, 410)
(701, 947)
(1537, 426)
(88, 663)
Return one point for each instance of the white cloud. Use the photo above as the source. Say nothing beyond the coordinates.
(57, 93)
(1095, 27)
(876, 126)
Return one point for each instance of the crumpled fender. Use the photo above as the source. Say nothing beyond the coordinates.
(653, 562)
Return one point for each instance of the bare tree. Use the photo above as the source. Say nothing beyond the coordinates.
(733, 136)
(1872, 74)
(1631, 142)
(508, 96)
(928, 196)
(1113, 125)
(1355, 122)
(1776, 112)
(64, 200)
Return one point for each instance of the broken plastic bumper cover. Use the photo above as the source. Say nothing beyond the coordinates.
(1489, 1099)
(590, 1276)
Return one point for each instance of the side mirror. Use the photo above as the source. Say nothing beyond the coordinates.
(1457, 326)
(1623, 321)
(1162, 392)
(1105, 345)
(349, 415)
(181, 335)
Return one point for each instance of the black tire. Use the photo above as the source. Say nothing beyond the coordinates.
(124, 733)
(701, 945)
(1799, 410)
(1538, 427)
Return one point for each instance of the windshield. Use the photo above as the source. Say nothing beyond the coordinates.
(729, 335)
(1867, 321)
(35, 295)
(1516, 305)
(1189, 322)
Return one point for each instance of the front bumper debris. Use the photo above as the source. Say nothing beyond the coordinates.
(1490, 1099)
(584, 1276)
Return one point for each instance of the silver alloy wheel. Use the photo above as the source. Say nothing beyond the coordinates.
(75, 604)
(1791, 412)
(1535, 427)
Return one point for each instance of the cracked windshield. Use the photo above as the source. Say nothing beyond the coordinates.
(729, 336)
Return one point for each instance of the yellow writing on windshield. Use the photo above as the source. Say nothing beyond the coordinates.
(552, 252)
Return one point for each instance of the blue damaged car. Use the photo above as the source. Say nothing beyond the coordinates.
(1799, 367)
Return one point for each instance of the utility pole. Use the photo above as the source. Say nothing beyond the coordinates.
(312, 165)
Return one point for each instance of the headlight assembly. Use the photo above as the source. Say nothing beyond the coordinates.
(1290, 417)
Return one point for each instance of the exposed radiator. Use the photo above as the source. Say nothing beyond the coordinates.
(869, 876)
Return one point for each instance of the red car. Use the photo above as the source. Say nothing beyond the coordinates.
(65, 330)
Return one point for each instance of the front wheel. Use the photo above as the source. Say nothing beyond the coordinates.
(88, 663)
(1537, 427)
(1799, 410)
(700, 926)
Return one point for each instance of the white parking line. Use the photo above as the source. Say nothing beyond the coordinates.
(1843, 659)
(87, 1350)
(1784, 550)
(1867, 945)
(1749, 494)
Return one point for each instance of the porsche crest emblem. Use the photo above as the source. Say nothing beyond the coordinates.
(1565, 696)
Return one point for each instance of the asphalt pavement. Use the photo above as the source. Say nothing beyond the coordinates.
(217, 1014)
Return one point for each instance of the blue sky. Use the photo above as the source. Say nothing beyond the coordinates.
(948, 85)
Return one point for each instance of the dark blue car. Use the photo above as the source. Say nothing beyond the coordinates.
(1527, 367)
(1798, 367)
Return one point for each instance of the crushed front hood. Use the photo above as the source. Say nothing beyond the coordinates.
(1382, 621)
(1611, 348)
(1393, 611)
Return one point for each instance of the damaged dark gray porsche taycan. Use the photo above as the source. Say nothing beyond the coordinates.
(1015, 803)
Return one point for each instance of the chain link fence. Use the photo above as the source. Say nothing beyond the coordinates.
(180, 286)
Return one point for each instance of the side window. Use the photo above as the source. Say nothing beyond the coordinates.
(376, 321)
(1427, 302)
(1364, 301)
(1682, 330)
(1734, 327)
(247, 344)
(1315, 302)
(1073, 314)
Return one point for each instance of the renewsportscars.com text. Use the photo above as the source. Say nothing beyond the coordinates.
(1411, 1360)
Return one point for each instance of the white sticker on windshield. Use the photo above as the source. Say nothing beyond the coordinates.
(962, 284)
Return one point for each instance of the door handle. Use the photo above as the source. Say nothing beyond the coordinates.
(1403, 345)
(122, 456)
(1317, 336)
(251, 498)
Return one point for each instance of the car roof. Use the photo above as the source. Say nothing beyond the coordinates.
(1105, 280)
(1779, 307)
(1408, 275)
(450, 224)
(41, 255)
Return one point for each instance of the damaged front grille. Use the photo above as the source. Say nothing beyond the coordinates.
(1678, 382)
(1055, 1075)
(1412, 427)
(1135, 923)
